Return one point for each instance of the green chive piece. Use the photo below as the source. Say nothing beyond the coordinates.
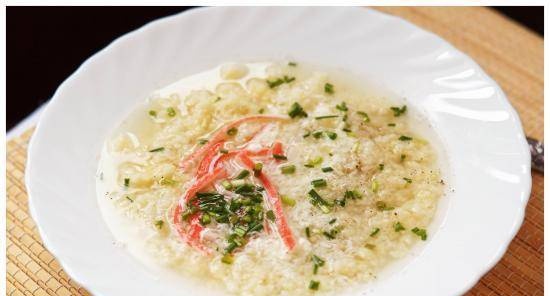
(240, 231)
(317, 262)
(257, 168)
(308, 232)
(153, 113)
(420, 232)
(237, 183)
(332, 221)
(313, 162)
(296, 111)
(327, 169)
(270, 215)
(399, 111)
(126, 182)
(288, 79)
(374, 232)
(374, 186)
(405, 138)
(329, 88)
(232, 131)
(166, 181)
(224, 151)
(352, 194)
(171, 111)
(318, 201)
(306, 134)
(279, 157)
(318, 183)
(128, 198)
(228, 259)
(329, 235)
(365, 116)
(408, 180)
(391, 124)
(157, 149)
(243, 174)
(218, 99)
(342, 107)
(332, 135)
(292, 64)
(370, 246)
(382, 206)
(261, 111)
(275, 83)
(159, 224)
(314, 285)
(398, 227)
(288, 169)
(288, 201)
(347, 130)
(227, 185)
(326, 117)
(202, 141)
(381, 167)
(317, 134)
(402, 157)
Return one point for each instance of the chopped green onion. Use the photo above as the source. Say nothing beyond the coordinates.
(227, 259)
(292, 64)
(279, 157)
(370, 246)
(399, 111)
(327, 169)
(227, 185)
(243, 174)
(366, 117)
(381, 167)
(275, 83)
(288, 79)
(402, 157)
(317, 134)
(342, 107)
(308, 232)
(296, 111)
(261, 111)
(374, 186)
(157, 149)
(352, 194)
(326, 117)
(203, 141)
(306, 134)
(398, 227)
(288, 201)
(171, 112)
(313, 162)
(314, 285)
(126, 182)
(128, 198)
(288, 169)
(240, 231)
(420, 232)
(332, 135)
(382, 206)
(408, 180)
(205, 219)
(159, 224)
(329, 235)
(318, 183)
(374, 232)
(232, 131)
(405, 138)
(257, 168)
(270, 215)
(332, 221)
(166, 181)
(224, 151)
(391, 124)
(153, 113)
(329, 88)
(318, 201)
(218, 99)
(317, 262)
(347, 130)
(236, 183)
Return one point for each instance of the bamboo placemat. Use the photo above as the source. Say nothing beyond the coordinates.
(508, 52)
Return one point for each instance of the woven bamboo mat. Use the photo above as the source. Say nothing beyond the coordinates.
(492, 40)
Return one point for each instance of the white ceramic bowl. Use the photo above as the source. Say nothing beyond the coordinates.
(485, 145)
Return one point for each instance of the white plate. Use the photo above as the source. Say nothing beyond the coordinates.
(487, 152)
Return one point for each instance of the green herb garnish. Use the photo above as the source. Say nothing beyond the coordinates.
(382, 206)
(317, 262)
(159, 224)
(313, 162)
(317, 134)
(332, 221)
(279, 157)
(275, 83)
(342, 107)
(126, 182)
(157, 149)
(171, 111)
(374, 232)
(329, 88)
(398, 227)
(314, 285)
(318, 183)
(326, 117)
(381, 167)
(420, 232)
(227, 259)
(153, 113)
(405, 138)
(257, 168)
(242, 174)
(288, 169)
(202, 141)
(391, 124)
(288, 201)
(308, 232)
(365, 116)
(331, 135)
(327, 169)
(128, 198)
(318, 201)
(408, 180)
(261, 111)
(232, 131)
(399, 111)
(292, 64)
(270, 215)
(296, 111)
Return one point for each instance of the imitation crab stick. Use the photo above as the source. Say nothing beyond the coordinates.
(273, 196)
(209, 156)
(192, 237)
(221, 134)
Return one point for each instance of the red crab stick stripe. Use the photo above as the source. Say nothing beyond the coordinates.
(221, 135)
(273, 196)
(195, 228)
(208, 159)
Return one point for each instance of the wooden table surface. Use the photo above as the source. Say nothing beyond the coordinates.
(509, 53)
